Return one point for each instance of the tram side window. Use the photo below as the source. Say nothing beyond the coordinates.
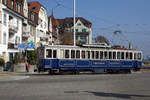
(77, 54)
(122, 55)
(72, 53)
(66, 53)
(101, 54)
(139, 56)
(118, 55)
(131, 55)
(105, 55)
(92, 54)
(110, 55)
(48, 53)
(97, 54)
(83, 54)
(127, 55)
(62, 53)
(88, 54)
(54, 54)
(135, 56)
(114, 55)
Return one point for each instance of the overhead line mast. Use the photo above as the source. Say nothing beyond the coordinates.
(74, 19)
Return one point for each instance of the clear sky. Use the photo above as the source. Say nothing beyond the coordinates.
(130, 17)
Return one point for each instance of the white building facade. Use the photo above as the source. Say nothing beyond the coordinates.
(11, 31)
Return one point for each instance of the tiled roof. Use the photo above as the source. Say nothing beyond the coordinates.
(54, 21)
(68, 22)
(34, 6)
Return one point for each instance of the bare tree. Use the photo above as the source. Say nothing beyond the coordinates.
(66, 38)
(101, 39)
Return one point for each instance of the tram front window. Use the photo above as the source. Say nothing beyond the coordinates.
(139, 56)
(135, 56)
(48, 53)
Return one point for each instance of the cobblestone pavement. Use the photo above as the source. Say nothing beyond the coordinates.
(135, 86)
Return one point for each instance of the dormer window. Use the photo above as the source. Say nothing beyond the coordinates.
(18, 7)
(32, 16)
(12, 4)
(33, 8)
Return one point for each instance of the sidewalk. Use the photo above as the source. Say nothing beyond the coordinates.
(11, 76)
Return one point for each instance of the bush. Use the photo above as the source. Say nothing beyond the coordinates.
(31, 56)
(19, 58)
(2, 62)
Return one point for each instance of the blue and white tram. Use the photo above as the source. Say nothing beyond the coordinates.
(87, 58)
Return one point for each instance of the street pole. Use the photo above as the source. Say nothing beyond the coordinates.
(74, 14)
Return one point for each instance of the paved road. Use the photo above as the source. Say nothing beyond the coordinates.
(134, 86)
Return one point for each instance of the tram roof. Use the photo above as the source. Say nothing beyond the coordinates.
(88, 46)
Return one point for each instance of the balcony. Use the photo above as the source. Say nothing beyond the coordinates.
(12, 46)
(12, 28)
(26, 32)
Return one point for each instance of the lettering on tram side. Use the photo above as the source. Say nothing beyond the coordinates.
(68, 64)
(126, 66)
(115, 63)
(98, 63)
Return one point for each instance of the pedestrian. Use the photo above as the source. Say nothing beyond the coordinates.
(26, 64)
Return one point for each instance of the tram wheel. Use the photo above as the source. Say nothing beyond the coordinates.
(51, 72)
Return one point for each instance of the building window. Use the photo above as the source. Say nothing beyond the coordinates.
(77, 37)
(18, 7)
(83, 38)
(79, 24)
(32, 16)
(17, 24)
(5, 2)
(84, 30)
(5, 19)
(4, 38)
(76, 30)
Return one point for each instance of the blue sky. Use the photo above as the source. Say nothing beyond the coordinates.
(131, 17)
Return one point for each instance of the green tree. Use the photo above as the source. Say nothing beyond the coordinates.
(32, 57)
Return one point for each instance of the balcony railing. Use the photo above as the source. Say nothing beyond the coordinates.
(12, 27)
